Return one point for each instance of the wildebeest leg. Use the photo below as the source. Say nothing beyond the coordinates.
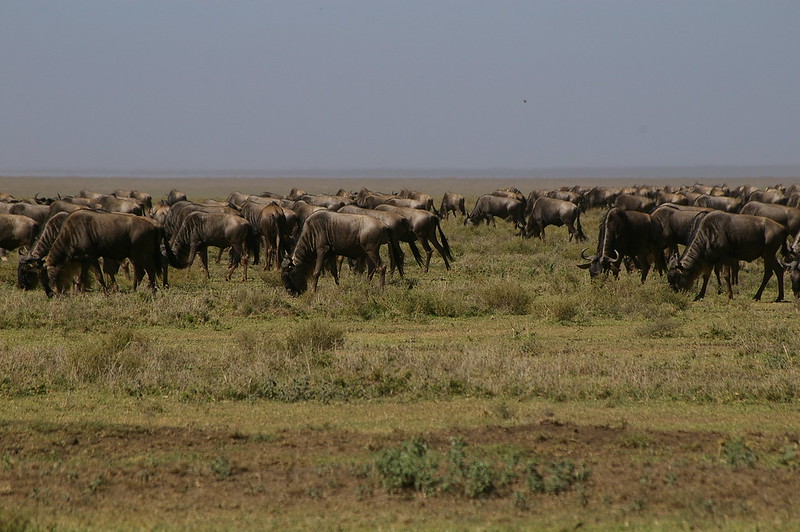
(375, 264)
(203, 252)
(494, 224)
(94, 265)
(268, 251)
(771, 265)
(219, 255)
(428, 252)
(440, 249)
(645, 265)
(322, 258)
(702, 293)
(727, 273)
(335, 266)
(245, 258)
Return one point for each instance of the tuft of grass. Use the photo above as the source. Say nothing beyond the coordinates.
(504, 297)
(737, 453)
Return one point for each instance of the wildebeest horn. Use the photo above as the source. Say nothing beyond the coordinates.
(789, 264)
(583, 255)
(615, 259)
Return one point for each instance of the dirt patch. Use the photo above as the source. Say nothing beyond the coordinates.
(187, 477)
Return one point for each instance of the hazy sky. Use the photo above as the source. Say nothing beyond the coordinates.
(222, 86)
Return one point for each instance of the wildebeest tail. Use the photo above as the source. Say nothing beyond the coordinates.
(445, 244)
(253, 243)
(396, 253)
(284, 238)
(581, 235)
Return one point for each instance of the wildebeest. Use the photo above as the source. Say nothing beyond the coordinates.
(601, 197)
(121, 205)
(175, 196)
(425, 225)
(629, 202)
(64, 206)
(270, 223)
(40, 213)
(86, 236)
(332, 203)
(566, 195)
(369, 200)
(452, 202)
(31, 265)
(722, 237)
(200, 230)
(624, 234)
(399, 225)
(144, 199)
(425, 200)
(789, 217)
(325, 236)
(720, 203)
(17, 231)
(489, 206)
(551, 211)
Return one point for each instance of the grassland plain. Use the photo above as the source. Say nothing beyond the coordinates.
(508, 393)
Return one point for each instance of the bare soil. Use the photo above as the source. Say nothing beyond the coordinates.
(87, 475)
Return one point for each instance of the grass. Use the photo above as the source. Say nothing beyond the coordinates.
(514, 335)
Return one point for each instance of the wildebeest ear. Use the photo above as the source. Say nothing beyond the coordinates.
(584, 266)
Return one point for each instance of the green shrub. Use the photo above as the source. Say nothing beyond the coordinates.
(411, 467)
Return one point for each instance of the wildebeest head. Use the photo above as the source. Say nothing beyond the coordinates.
(293, 277)
(793, 269)
(28, 272)
(678, 277)
(601, 263)
(58, 279)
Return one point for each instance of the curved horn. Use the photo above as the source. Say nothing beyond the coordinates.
(615, 259)
(583, 255)
(788, 264)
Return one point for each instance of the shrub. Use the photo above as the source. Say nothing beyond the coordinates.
(737, 453)
(410, 467)
(313, 338)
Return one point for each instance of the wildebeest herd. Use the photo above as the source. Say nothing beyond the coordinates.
(686, 233)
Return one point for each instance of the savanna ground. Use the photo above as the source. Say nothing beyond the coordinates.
(508, 393)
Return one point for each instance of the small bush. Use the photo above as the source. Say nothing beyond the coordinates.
(737, 453)
(408, 468)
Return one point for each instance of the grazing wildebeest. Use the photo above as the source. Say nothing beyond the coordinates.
(369, 200)
(601, 197)
(674, 198)
(490, 206)
(332, 203)
(425, 199)
(175, 196)
(144, 199)
(770, 195)
(40, 213)
(720, 203)
(200, 230)
(425, 225)
(720, 238)
(624, 234)
(31, 265)
(270, 223)
(17, 231)
(399, 225)
(86, 236)
(452, 202)
(121, 205)
(551, 211)
(789, 217)
(64, 206)
(629, 202)
(567, 195)
(326, 235)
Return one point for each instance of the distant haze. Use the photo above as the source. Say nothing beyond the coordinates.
(407, 89)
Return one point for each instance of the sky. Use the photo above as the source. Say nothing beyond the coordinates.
(251, 86)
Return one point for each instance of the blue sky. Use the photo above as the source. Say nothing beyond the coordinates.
(143, 86)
